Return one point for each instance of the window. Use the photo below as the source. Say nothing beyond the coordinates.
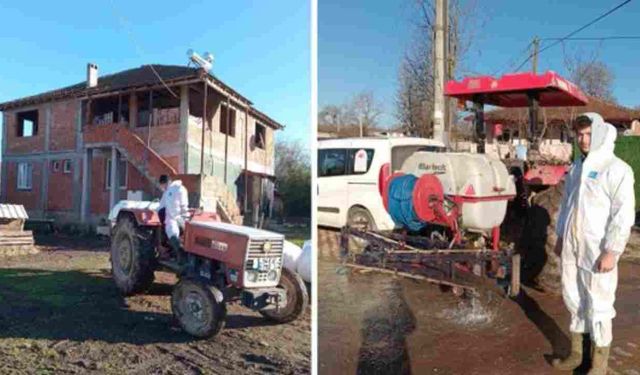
(25, 172)
(27, 123)
(332, 162)
(223, 121)
(66, 166)
(352, 160)
(122, 174)
(260, 136)
(55, 165)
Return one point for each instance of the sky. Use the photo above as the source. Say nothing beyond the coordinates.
(261, 49)
(361, 45)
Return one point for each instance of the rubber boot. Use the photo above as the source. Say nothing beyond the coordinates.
(574, 359)
(174, 242)
(599, 359)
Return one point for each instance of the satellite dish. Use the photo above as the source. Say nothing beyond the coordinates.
(208, 56)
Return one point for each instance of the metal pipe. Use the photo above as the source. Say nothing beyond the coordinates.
(478, 106)
(533, 121)
(204, 124)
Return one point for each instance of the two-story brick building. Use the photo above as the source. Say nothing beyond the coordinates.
(64, 150)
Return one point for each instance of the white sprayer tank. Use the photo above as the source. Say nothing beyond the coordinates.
(481, 181)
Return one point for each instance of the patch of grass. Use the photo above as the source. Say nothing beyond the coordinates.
(56, 289)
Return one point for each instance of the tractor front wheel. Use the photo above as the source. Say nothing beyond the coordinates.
(297, 299)
(199, 308)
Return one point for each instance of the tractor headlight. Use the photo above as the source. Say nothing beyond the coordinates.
(272, 275)
(252, 276)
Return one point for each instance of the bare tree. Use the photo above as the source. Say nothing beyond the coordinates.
(414, 99)
(364, 111)
(345, 119)
(591, 74)
(332, 117)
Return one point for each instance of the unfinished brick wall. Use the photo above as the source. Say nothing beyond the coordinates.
(30, 199)
(23, 145)
(62, 134)
(59, 197)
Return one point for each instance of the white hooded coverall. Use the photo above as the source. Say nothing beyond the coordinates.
(175, 201)
(596, 215)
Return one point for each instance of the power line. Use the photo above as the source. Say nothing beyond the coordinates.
(124, 25)
(597, 38)
(560, 40)
(512, 62)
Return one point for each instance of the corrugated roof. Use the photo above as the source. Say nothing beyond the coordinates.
(13, 211)
(132, 78)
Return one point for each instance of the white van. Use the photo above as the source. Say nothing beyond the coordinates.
(348, 172)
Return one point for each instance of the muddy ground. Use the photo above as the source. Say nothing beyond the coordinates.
(370, 323)
(61, 313)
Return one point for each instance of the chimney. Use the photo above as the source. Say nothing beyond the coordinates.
(92, 75)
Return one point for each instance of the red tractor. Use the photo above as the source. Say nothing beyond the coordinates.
(225, 263)
(538, 178)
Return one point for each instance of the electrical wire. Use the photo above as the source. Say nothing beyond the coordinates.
(597, 38)
(560, 40)
(124, 25)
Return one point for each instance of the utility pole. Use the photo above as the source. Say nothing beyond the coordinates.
(536, 48)
(438, 100)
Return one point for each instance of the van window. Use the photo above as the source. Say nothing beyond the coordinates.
(332, 162)
(352, 155)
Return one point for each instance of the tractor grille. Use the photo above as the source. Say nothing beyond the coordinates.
(261, 261)
(256, 249)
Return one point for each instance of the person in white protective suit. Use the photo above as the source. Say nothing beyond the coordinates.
(593, 227)
(175, 202)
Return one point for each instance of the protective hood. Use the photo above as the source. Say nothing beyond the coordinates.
(603, 136)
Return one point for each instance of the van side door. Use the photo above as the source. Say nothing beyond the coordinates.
(332, 187)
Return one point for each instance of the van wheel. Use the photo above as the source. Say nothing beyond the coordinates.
(360, 218)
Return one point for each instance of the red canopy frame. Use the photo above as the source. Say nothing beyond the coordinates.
(515, 90)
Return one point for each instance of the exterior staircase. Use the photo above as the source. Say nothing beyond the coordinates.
(151, 165)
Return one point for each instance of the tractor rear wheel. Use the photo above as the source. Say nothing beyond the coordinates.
(297, 299)
(199, 308)
(132, 257)
(540, 265)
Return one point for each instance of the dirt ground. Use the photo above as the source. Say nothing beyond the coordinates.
(61, 313)
(371, 323)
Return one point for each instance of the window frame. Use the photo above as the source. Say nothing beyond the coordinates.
(66, 163)
(223, 121)
(107, 175)
(263, 145)
(321, 159)
(24, 183)
(351, 155)
(20, 119)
